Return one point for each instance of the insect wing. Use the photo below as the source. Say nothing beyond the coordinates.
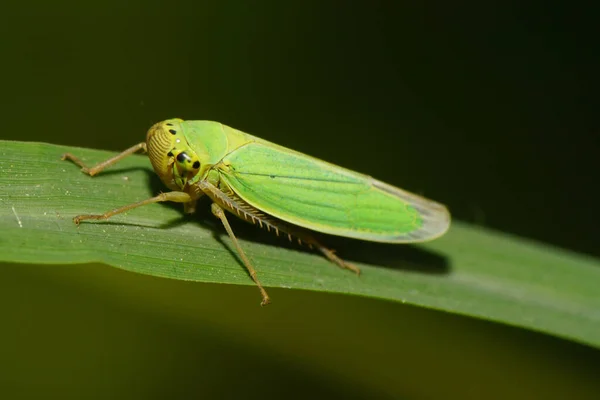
(317, 195)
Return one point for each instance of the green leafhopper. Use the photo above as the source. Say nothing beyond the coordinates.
(276, 188)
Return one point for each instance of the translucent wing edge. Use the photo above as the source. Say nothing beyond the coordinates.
(435, 216)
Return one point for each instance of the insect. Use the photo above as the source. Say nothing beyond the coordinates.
(276, 188)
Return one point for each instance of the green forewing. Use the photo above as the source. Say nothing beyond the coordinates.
(313, 194)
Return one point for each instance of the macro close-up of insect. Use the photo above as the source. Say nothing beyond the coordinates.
(410, 187)
(276, 188)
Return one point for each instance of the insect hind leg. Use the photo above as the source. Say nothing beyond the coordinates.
(228, 200)
(331, 256)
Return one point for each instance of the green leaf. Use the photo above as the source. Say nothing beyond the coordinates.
(471, 270)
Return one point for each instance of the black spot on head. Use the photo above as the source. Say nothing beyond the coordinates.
(173, 131)
(170, 154)
(169, 124)
(196, 164)
(181, 156)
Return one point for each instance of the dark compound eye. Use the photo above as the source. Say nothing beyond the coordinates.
(181, 157)
(172, 131)
(196, 164)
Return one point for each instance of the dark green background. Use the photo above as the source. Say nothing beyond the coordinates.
(489, 108)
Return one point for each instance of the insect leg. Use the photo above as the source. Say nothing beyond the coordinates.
(248, 213)
(111, 161)
(330, 254)
(220, 213)
(190, 208)
(177, 197)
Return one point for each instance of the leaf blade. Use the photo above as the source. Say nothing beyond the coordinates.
(491, 275)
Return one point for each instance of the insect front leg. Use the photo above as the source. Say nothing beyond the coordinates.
(177, 197)
(220, 213)
(105, 164)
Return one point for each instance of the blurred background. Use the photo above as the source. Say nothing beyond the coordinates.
(489, 108)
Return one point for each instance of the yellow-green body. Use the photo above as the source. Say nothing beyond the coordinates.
(277, 188)
(293, 187)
